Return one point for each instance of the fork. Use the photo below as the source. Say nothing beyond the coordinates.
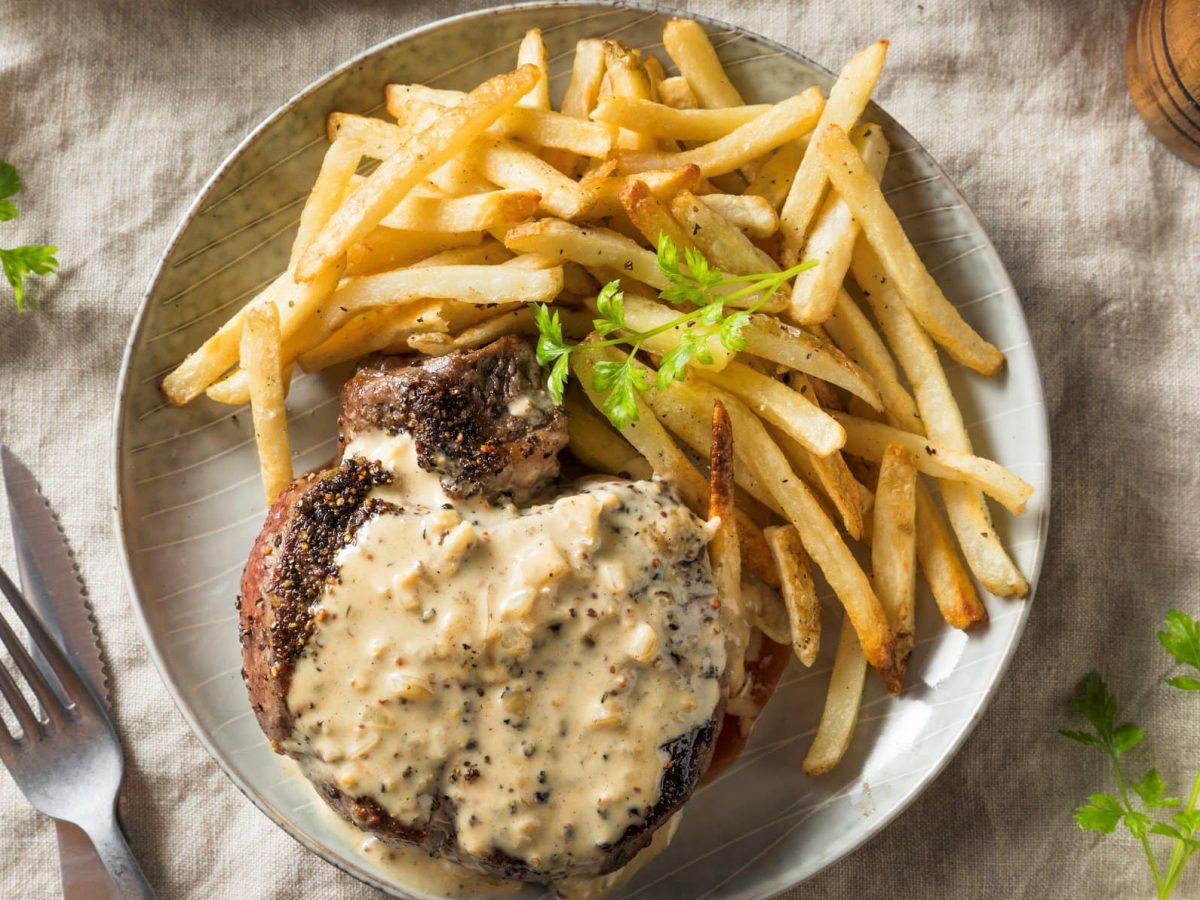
(68, 764)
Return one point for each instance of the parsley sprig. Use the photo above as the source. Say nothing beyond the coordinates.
(1104, 812)
(20, 262)
(692, 281)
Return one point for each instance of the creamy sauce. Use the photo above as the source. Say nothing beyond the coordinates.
(528, 665)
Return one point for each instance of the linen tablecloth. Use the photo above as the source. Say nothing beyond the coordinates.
(115, 114)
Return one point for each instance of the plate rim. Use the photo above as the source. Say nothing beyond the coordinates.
(834, 851)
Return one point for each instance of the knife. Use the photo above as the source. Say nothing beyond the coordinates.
(51, 583)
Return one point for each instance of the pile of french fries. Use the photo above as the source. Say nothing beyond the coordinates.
(487, 201)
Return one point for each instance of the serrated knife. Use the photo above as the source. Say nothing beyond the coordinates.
(51, 584)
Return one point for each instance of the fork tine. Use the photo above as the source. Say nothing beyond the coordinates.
(16, 701)
(53, 656)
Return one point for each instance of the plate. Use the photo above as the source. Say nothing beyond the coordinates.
(190, 501)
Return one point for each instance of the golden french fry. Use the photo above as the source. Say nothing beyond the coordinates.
(753, 215)
(942, 421)
(767, 610)
(768, 338)
(693, 53)
(598, 445)
(261, 360)
(477, 212)
(774, 177)
(372, 331)
(533, 52)
(628, 78)
(512, 166)
(723, 244)
(831, 239)
(723, 547)
(841, 704)
(579, 99)
(295, 302)
(847, 100)
(799, 592)
(651, 216)
(662, 121)
(949, 581)
(831, 476)
(783, 122)
(676, 93)
(870, 440)
(385, 249)
(820, 537)
(912, 281)
(780, 405)
(855, 336)
(893, 546)
(605, 192)
(400, 172)
(592, 247)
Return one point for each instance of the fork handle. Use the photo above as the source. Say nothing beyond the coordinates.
(119, 860)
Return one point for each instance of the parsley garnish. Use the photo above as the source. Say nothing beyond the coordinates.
(693, 282)
(1104, 812)
(20, 262)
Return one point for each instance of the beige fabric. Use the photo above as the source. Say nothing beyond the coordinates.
(115, 113)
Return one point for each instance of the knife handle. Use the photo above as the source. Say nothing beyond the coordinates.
(119, 860)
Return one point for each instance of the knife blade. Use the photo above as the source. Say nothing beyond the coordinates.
(51, 583)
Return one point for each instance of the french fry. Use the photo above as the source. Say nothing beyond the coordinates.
(512, 166)
(476, 212)
(903, 266)
(385, 249)
(787, 409)
(855, 336)
(651, 216)
(766, 610)
(820, 537)
(723, 547)
(203, 367)
(410, 165)
(662, 121)
(598, 445)
(870, 440)
(587, 246)
(374, 138)
(723, 244)
(942, 421)
(579, 98)
(831, 476)
(676, 93)
(768, 338)
(847, 100)
(783, 122)
(842, 702)
(774, 177)
(831, 240)
(533, 52)
(628, 78)
(693, 53)
(949, 582)
(799, 592)
(372, 331)
(893, 546)
(753, 215)
(605, 193)
(260, 358)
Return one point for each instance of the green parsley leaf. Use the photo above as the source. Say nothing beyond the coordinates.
(623, 381)
(731, 332)
(1184, 683)
(10, 186)
(1166, 830)
(1127, 737)
(559, 373)
(1102, 813)
(550, 343)
(1151, 789)
(1181, 638)
(1094, 701)
(1137, 823)
(20, 262)
(1082, 737)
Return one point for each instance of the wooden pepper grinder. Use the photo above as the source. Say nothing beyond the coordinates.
(1162, 67)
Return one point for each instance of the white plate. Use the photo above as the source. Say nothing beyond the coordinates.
(190, 502)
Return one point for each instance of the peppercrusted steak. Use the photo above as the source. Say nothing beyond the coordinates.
(527, 689)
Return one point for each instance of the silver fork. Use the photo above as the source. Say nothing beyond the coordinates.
(68, 764)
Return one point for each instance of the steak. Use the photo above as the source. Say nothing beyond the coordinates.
(482, 424)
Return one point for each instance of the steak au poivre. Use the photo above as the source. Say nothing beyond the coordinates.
(522, 676)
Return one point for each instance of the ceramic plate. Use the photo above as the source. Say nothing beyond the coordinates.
(190, 501)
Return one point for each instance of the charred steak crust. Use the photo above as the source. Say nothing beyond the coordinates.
(290, 565)
(461, 412)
